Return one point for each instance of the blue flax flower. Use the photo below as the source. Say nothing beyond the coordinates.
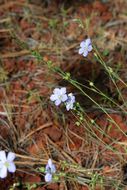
(6, 163)
(85, 47)
(59, 95)
(70, 101)
(50, 170)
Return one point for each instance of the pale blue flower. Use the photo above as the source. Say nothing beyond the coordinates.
(70, 102)
(6, 163)
(59, 95)
(50, 169)
(48, 177)
(85, 47)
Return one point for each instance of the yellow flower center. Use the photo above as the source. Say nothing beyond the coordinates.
(6, 164)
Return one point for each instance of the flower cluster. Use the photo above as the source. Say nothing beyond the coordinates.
(50, 169)
(6, 163)
(59, 95)
(85, 47)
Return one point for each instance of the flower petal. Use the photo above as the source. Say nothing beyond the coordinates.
(53, 97)
(90, 48)
(11, 156)
(47, 168)
(3, 156)
(68, 107)
(85, 53)
(88, 41)
(82, 44)
(64, 98)
(63, 90)
(81, 50)
(50, 162)
(48, 177)
(51, 166)
(57, 102)
(3, 172)
(71, 97)
(11, 167)
(1, 164)
(56, 91)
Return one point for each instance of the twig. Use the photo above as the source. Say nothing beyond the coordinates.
(32, 132)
